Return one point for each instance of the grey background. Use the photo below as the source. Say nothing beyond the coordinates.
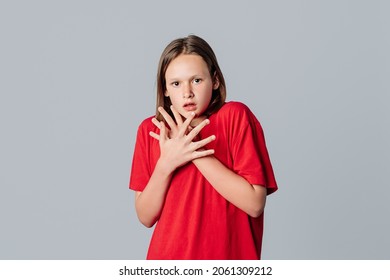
(77, 77)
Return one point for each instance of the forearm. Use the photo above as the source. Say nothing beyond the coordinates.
(150, 201)
(233, 187)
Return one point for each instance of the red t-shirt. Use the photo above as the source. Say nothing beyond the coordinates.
(196, 221)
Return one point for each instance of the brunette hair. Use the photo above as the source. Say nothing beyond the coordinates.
(190, 45)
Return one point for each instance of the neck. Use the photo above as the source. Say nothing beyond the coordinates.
(197, 121)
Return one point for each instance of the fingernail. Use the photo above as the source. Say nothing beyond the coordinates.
(207, 121)
(192, 113)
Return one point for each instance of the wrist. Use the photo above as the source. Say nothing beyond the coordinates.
(202, 159)
(164, 168)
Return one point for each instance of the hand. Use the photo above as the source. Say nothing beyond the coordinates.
(173, 124)
(177, 145)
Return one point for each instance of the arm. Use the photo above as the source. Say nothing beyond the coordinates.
(150, 202)
(234, 188)
(176, 149)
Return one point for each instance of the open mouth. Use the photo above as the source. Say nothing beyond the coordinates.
(190, 106)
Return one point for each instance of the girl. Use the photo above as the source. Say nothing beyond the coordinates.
(201, 169)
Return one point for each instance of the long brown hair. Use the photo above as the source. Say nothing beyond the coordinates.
(190, 45)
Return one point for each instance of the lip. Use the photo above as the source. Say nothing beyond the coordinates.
(190, 106)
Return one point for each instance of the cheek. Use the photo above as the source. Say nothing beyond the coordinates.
(208, 95)
(174, 99)
(206, 101)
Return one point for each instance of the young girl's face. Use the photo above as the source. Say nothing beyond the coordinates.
(189, 85)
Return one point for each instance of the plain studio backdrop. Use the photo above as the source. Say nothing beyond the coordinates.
(77, 78)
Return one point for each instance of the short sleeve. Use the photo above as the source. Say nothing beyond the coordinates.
(140, 169)
(249, 152)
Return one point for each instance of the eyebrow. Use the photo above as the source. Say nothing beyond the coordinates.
(191, 78)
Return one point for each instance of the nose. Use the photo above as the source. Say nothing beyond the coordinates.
(187, 93)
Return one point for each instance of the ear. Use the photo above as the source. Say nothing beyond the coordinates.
(166, 94)
(216, 83)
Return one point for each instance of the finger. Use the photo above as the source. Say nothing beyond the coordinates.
(190, 128)
(186, 124)
(204, 142)
(156, 123)
(163, 132)
(199, 154)
(154, 135)
(198, 128)
(178, 118)
(167, 118)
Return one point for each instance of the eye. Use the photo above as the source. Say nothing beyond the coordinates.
(197, 80)
(175, 84)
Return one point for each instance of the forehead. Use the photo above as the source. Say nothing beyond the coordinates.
(186, 64)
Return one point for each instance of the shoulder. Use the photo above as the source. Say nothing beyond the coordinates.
(236, 110)
(146, 125)
(238, 116)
